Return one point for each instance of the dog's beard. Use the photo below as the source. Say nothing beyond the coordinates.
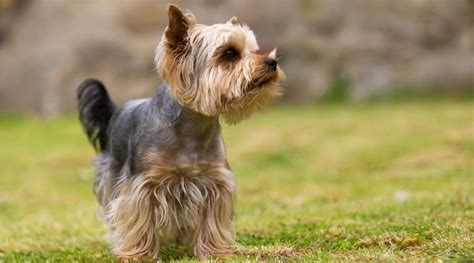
(241, 98)
(258, 93)
(261, 91)
(254, 100)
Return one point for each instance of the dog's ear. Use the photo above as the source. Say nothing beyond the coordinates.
(178, 26)
(232, 20)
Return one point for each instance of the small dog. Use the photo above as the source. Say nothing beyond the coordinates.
(162, 173)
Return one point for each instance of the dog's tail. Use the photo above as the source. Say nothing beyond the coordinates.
(95, 111)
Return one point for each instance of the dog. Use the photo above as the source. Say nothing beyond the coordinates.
(161, 170)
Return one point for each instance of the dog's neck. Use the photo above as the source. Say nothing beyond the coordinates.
(194, 130)
(198, 135)
(196, 126)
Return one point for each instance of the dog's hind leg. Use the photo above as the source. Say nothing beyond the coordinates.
(103, 181)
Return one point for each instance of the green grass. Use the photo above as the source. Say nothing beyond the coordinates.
(391, 182)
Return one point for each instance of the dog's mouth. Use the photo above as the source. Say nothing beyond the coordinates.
(261, 83)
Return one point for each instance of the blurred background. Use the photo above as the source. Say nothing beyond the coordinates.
(332, 49)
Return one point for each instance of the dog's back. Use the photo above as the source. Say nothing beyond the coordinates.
(122, 135)
(112, 132)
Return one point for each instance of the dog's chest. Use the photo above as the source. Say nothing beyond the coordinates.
(191, 165)
(185, 163)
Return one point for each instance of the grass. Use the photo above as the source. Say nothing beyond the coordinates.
(390, 182)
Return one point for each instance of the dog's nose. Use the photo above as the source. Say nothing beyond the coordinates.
(271, 63)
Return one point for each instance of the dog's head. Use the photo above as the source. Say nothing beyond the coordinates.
(216, 69)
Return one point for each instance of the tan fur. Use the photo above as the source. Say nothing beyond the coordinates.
(198, 81)
(189, 203)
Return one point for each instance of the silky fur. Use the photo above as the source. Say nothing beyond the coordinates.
(162, 173)
(172, 203)
(201, 81)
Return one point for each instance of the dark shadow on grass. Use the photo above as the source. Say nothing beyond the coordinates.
(170, 251)
(101, 253)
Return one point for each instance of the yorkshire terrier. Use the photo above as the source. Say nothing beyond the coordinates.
(161, 170)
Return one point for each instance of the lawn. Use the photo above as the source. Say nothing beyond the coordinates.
(381, 181)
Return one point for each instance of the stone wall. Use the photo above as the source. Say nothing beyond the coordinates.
(48, 46)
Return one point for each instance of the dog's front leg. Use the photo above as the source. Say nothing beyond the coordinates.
(131, 217)
(214, 235)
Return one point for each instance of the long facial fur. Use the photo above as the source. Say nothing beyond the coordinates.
(189, 59)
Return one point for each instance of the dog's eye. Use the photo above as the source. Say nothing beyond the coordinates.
(230, 54)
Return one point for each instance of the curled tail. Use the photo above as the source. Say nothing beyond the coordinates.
(95, 111)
